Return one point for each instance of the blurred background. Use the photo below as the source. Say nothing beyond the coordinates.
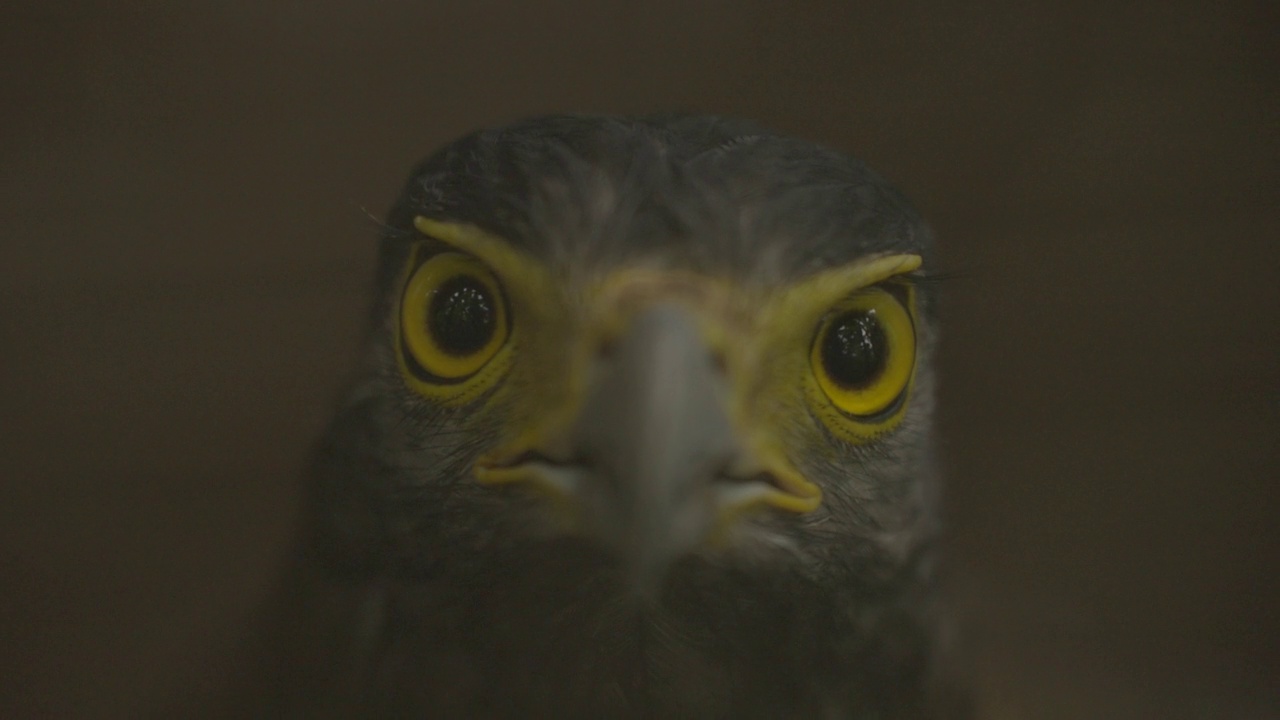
(186, 192)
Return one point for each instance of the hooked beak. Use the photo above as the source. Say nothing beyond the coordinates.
(653, 463)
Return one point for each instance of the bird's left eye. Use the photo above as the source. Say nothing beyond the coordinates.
(453, 318)
(863, 354)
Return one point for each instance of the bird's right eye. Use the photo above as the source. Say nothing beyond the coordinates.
(453, 318)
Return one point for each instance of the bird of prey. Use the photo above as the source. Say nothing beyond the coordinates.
(642, 429)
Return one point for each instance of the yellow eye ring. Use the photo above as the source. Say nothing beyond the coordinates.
(863, 354)
(453, 318)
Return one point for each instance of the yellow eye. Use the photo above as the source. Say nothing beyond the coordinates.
(864, 354)
(453, 320)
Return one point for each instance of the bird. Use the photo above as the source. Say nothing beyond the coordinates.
(642, 427)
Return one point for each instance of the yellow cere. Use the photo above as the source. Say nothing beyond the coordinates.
(533, 370)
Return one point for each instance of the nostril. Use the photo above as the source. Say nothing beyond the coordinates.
(607, 348)
(728, 469)
(719, 362)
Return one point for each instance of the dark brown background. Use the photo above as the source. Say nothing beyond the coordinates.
(186, 255)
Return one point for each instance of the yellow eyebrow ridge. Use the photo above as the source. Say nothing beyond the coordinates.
(799, 305)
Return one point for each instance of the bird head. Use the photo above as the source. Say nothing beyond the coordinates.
(658, 339)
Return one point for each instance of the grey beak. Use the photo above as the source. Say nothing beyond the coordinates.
(655, 440)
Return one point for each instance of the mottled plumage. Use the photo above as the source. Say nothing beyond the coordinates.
(421, 592)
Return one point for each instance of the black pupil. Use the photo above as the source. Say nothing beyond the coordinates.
(854, 350)
(462, 316)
